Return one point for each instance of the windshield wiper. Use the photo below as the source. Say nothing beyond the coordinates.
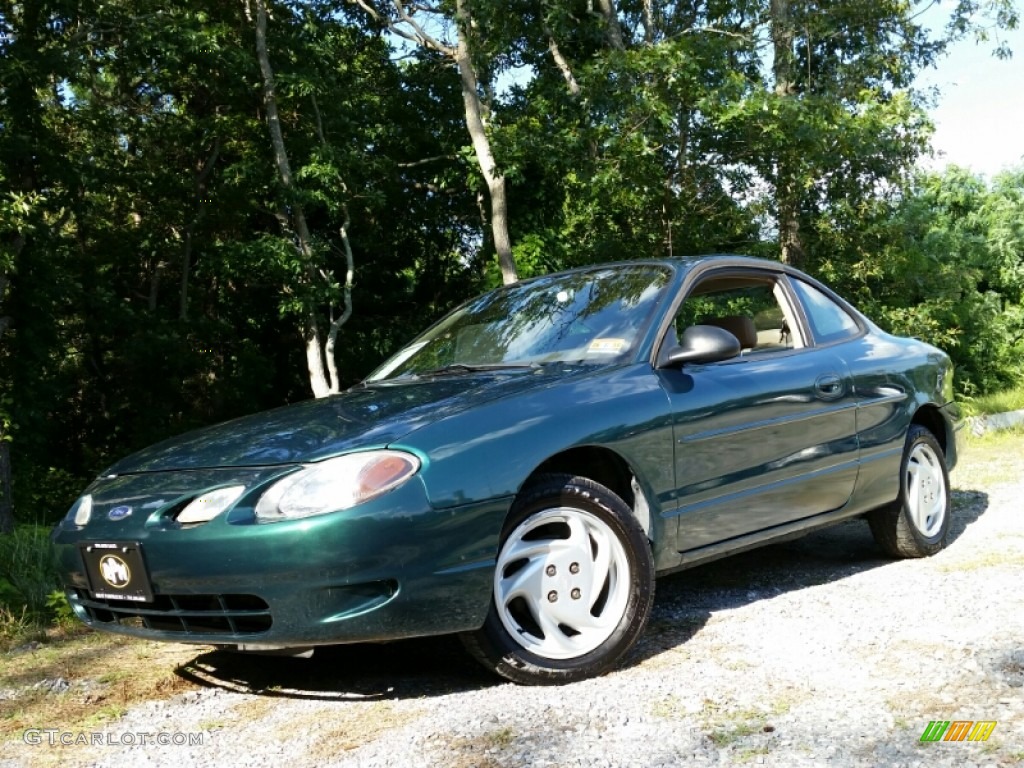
(454, 368)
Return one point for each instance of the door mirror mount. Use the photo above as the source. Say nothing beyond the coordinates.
(701, 344)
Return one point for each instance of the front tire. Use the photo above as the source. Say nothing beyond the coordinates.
(573, 585)
(917, 523)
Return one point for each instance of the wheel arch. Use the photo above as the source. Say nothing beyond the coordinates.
(930, 417)
(604, 466)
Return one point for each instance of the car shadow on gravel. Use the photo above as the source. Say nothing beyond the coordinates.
(361, 671)
(683, 604)
(687, 599)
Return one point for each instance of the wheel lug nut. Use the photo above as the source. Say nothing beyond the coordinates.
(552, 596)
(550, 570)
(574, 568)
(576, 594)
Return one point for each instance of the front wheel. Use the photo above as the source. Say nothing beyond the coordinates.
(917, 523)
(573, 585)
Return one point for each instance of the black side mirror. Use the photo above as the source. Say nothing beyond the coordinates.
(702, 344)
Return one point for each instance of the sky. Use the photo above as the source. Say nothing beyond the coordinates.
(979, 121)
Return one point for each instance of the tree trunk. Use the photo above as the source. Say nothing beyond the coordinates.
(649, 23)
(614, 30)
(409, 28)
(4, 321)
(482, 147)
(787, 189)
(346, 312)
(6, 507)
(311, 333)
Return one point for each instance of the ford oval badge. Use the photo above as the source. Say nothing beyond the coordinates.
(119, 513)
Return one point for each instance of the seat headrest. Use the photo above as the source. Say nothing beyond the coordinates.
(740, 326)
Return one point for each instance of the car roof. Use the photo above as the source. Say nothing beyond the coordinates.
(683, 264)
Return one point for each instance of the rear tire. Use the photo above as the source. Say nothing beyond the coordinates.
(573, 585)
(917, 523)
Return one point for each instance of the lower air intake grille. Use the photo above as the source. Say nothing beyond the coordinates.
(231, 615)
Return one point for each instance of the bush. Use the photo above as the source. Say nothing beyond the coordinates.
(28, 573)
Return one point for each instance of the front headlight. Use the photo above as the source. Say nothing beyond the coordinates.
(80, 511)
(336, 484)
(209, 505)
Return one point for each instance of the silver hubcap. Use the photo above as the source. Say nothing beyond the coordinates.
(562, 583)
(926, 490)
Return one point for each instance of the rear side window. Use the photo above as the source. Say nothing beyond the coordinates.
(829, 321)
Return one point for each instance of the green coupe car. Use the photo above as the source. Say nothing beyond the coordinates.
(522, 471)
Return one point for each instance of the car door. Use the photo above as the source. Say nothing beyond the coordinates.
(765, 438)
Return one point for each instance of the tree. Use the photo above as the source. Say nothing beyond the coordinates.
(787, 190)
(407, 21)
(944, 261)
(318, 352)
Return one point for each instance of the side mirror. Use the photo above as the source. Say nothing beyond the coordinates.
(702, 344)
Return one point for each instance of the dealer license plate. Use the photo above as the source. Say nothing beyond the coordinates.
(116, 571)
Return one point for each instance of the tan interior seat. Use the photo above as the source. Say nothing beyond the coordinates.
(740, 326)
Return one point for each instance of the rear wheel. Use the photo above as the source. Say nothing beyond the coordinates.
(573, 585)
(917, 523)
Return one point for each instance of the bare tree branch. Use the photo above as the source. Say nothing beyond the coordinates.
(422, 36)
(425, 160)
(332, 333)
(563, 64)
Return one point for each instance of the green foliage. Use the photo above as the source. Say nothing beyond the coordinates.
(945, 262)
(60, 609)
(1002, 401)
(45, 493)
(154, 280)
(28, 576)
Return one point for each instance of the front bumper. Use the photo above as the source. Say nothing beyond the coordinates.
(391, 568)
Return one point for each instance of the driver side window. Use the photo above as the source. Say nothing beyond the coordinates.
(754, 310)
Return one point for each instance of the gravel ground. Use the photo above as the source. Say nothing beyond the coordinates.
(810, 652)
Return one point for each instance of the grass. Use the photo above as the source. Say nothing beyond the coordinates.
(18, 627)
(989, 460)
(501, 738)
(30, 595)
(726, 728)
(483, 751)
(750, 753)
(347, 728)
(27, 572)
(726, 735)
(997, 402)
(94, 665)
(1010, 559)
(669, 708)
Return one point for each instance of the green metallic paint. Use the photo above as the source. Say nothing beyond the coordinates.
(728, 456)
(441, 561)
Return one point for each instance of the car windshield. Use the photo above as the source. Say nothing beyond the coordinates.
(593, 316)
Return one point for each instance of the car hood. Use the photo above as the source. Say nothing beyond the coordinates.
(366, 416)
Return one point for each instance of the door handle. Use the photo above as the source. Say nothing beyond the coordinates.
(829, 386)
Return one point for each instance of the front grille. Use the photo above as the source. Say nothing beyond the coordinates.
(188, 614)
